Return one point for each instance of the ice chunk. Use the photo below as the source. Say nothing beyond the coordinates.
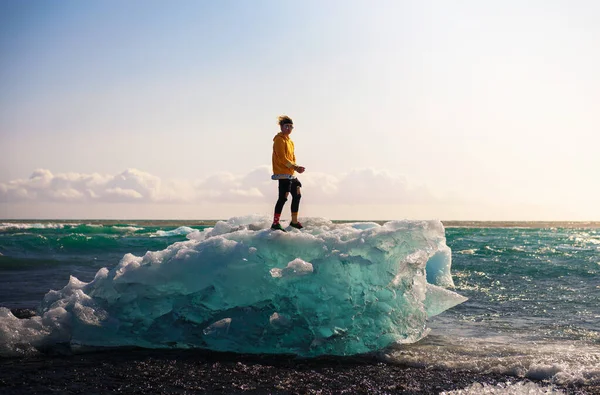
(295, 268)
(438, 300)
(438, 270)
(337, 289)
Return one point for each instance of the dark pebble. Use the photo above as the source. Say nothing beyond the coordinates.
(135, 371)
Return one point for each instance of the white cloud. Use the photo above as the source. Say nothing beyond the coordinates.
(120, 194)
(359, 194)
(43, 186)
(361, 186)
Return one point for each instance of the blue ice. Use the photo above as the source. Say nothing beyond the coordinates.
(329, 289)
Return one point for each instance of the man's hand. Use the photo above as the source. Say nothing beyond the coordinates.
(300, 169)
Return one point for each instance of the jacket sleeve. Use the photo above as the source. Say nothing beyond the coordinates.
(279, 147)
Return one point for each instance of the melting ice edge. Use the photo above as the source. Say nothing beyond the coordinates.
(329, 289)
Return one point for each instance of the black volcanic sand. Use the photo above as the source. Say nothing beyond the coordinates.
(139, 371)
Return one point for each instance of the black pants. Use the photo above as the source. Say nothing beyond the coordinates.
(291, 186)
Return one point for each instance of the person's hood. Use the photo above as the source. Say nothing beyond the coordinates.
(280, 135)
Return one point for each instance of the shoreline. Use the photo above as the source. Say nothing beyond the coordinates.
(137, 371)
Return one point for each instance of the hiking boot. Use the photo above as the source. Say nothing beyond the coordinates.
(296, 225)
(277, 227)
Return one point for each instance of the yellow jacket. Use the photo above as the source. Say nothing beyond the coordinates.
(284, 159)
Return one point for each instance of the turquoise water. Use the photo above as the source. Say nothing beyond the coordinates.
(545, 281)
(534, 293)
(533, 308)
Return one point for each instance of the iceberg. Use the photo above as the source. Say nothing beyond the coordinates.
(328, 289)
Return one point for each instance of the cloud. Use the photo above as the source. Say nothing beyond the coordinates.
(360, 186)
(43, 186)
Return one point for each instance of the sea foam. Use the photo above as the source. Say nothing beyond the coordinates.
(337, 289)
(520, 388)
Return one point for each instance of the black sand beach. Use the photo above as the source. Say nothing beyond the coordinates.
(140, 371)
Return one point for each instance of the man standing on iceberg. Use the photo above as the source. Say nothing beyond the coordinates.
(284, 167)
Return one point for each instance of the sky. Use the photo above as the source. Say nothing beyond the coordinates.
(424, 109)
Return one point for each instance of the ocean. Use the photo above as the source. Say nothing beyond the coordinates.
(534, 291)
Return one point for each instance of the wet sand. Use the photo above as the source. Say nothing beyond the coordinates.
(139, 371)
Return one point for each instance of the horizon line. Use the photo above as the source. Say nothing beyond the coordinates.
(446, 223)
